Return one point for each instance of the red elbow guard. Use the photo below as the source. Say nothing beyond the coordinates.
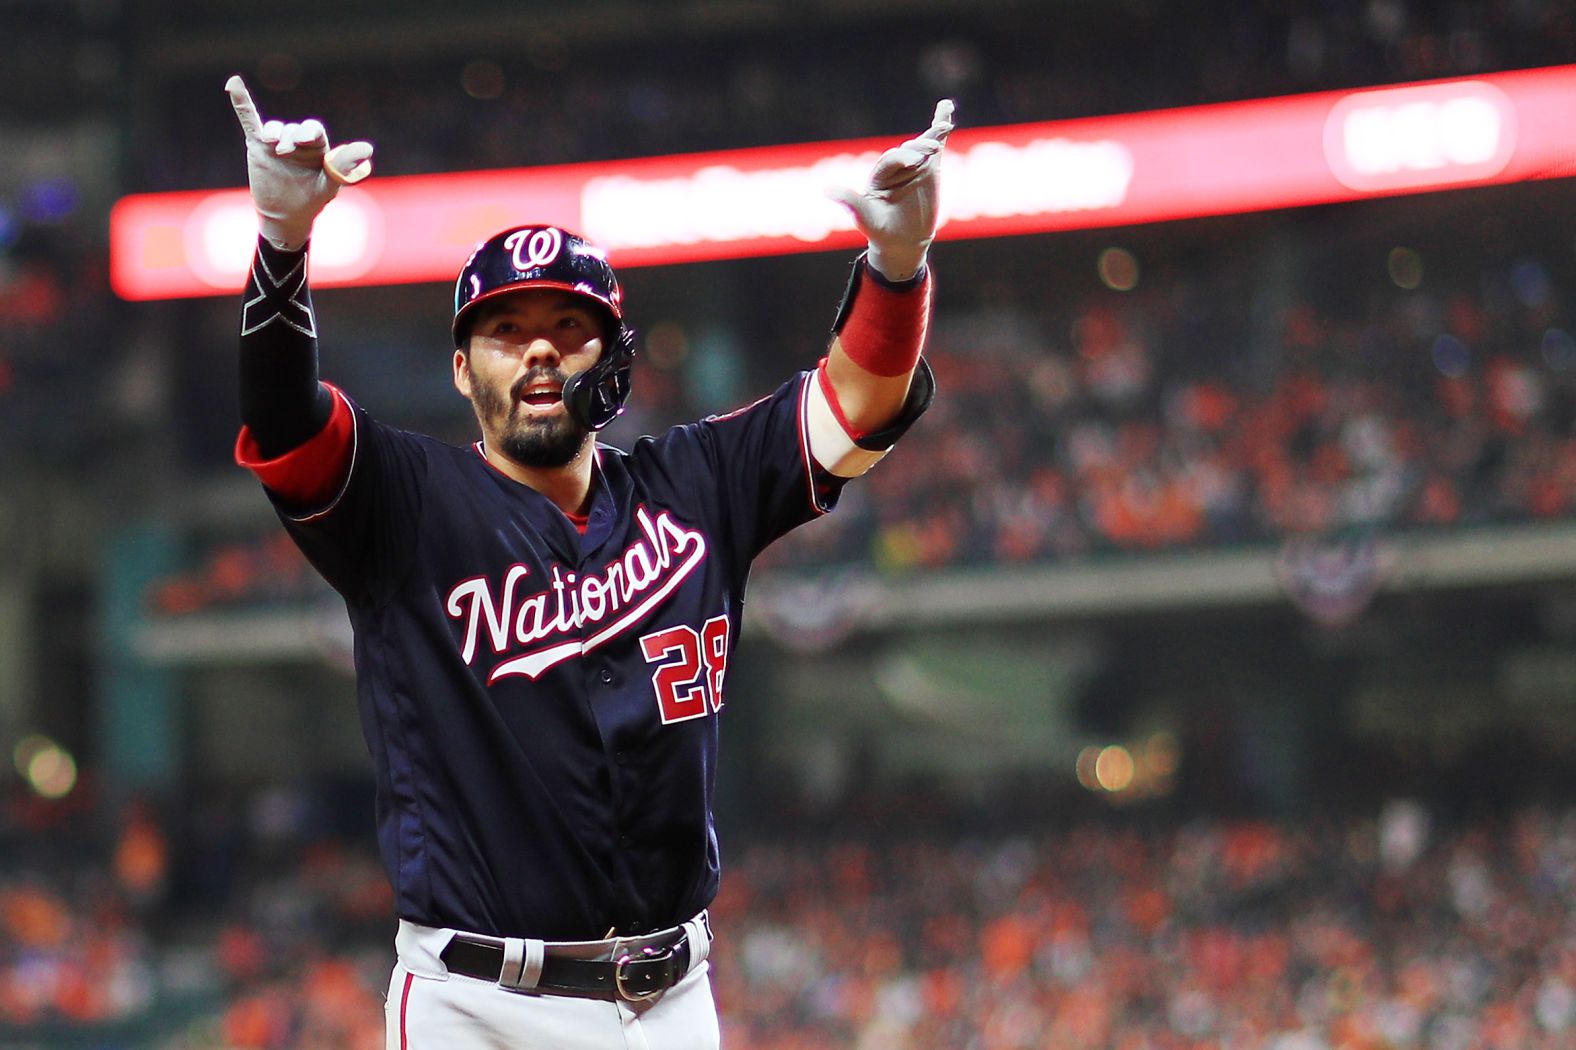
(311, 474)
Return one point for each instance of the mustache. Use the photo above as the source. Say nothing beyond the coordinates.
(536, 375)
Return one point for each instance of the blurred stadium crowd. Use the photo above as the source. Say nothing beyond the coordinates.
(1435, 388)
(1156, 418)
(1147, 422)
(1382, 931)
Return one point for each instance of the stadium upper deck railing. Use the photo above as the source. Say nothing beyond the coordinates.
(806, 610)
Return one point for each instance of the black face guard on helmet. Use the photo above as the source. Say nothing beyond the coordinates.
(550, 257)
(596, 396)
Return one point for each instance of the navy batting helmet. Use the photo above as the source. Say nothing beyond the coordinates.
(549, 257)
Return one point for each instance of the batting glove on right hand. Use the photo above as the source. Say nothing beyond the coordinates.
(897, 210)
(291, 171)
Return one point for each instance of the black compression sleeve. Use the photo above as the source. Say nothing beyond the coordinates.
(282, 403)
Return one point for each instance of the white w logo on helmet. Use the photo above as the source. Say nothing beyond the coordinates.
(534, 247)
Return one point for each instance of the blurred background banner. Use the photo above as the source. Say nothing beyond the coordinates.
(1030, 178)
(1201, 671)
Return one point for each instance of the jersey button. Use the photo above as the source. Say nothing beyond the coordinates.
(622, 758)
(606, 674)
(623, 840)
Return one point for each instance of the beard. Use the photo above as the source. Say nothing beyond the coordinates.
(529, 441)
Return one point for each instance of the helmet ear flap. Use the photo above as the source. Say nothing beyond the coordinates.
(596, 396)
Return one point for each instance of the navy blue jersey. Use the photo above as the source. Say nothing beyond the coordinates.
(541, 705)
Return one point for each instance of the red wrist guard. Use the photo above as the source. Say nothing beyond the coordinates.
(881, 326)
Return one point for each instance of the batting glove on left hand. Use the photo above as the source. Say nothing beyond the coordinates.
(897, 210)
(291, 171)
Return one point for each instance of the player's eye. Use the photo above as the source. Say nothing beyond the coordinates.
(569, 321)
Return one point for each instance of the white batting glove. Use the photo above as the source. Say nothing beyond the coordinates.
(897, 210)
(291, 171)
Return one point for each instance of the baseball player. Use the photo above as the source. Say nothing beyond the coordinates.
(543, 623)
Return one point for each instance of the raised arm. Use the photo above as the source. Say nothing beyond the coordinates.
(292, 175)
(880, 330)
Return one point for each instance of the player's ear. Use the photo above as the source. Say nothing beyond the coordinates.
(462, 372)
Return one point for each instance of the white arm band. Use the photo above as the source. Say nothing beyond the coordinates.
(830, 442)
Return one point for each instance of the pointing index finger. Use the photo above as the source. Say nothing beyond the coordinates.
(941, 123)
(245, 109)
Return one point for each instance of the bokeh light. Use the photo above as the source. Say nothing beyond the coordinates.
(1451, 356)
(483, 79)
(1084, 767)
(1118, 269)
(1531, 284)
(47, 767)
(1559, 349)
(25, 749)
(1161, 756)
(52, 773)
(1406, 268)
(665, 345)
(1114, 768)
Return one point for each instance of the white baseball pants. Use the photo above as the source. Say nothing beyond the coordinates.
(431, 1009)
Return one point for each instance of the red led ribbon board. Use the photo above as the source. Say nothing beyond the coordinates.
(996, 181)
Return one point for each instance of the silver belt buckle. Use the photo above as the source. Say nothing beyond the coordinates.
(621, 972)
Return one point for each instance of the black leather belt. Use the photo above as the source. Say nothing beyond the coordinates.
(641, 974)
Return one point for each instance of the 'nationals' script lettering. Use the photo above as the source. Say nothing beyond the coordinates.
(631, 585)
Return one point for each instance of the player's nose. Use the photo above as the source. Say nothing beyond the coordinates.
(539, 351)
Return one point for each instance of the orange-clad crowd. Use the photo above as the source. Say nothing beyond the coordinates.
(1381, 931)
